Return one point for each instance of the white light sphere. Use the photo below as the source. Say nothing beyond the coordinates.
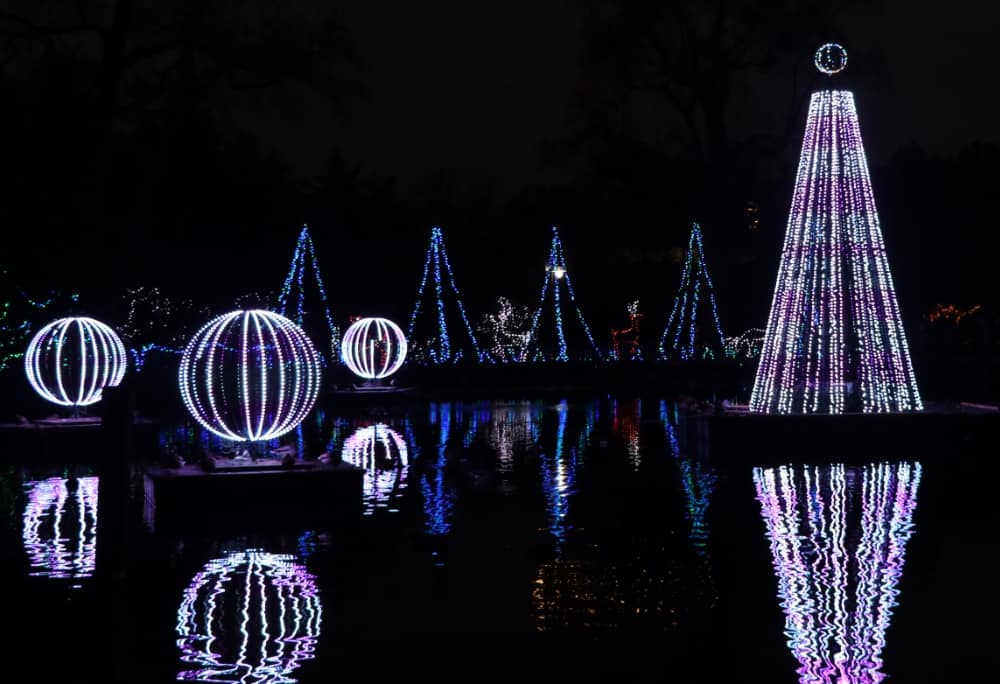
(373, 348)
(250, 375)
(70, 361)
(249, 617)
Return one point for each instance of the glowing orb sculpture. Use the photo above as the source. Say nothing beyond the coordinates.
(373, 348)
(249, 617)
(830, 58)
(60, 527)
(381, 452)
(70, 361)
(249, 375)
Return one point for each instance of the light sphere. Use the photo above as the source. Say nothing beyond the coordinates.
(373, 348)
(831, 58)
(250, 375)
(70, 361)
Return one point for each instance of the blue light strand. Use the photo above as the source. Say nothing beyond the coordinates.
(139, 355)
(556, 268)
(437, 254)
(305, 246)
(684, 314)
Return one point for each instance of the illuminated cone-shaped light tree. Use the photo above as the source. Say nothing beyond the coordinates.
(436, 347)
(548, 334)
(292, 300)
(834, 339)
(687, 336)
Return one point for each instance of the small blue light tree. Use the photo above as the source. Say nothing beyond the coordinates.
(686, 338)
(557, 275)
(439, 349)
(294, 291)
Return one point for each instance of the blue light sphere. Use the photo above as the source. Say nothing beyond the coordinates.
(250, 376)
(70, 361)
(373, 348)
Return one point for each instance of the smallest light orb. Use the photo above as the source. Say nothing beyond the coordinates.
(373, 348)
(831, 58)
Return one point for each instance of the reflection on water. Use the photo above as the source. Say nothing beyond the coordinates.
(625, 417)
(249, 617)
(439, 496)
(513, 428)
(697, 480)
(838, 536)
(60, 526)
(559, 479)
(381, 452)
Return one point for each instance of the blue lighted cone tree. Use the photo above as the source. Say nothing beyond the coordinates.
(834, 339)
(292, 300)
(437, 346)
(548, 340)
(687, 336)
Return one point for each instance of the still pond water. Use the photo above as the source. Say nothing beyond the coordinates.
(570, 540)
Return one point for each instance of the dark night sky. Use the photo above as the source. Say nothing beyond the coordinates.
(479, 88)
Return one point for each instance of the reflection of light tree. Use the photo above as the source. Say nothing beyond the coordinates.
(439, 499)
(698, 482)
(838, 537)
(559, 480)
(60, 527)
(625, 421)
(381, 452)
(249, 617)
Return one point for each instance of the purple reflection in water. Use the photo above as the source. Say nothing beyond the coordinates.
(249, 617)
(60, 527)
(838, 537)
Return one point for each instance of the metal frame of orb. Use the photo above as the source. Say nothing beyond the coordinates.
(358, 348)
(250, 375)
(101, 359)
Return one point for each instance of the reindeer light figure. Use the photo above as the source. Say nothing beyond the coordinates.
(628, 335)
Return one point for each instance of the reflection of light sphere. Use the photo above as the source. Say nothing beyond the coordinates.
(373, 348)
(71, 360)
(381, 452)
(249, 375)
(60, 527)
(831, 58)
(248, 617)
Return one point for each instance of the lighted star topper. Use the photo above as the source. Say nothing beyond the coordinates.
(831, 58)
